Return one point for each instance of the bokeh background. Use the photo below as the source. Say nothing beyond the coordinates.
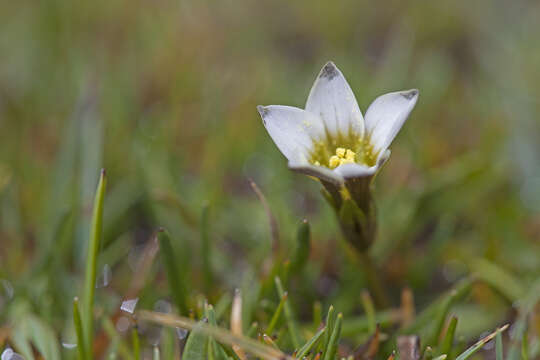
(163, 93)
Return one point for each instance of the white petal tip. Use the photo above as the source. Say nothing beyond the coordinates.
(263, 111)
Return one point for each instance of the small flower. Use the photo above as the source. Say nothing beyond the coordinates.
(330, 139)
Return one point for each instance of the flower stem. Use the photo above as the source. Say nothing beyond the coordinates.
(375, 283)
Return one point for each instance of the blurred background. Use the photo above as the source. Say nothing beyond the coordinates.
(163, 93)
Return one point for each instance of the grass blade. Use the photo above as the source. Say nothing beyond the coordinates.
(276, 315)
(136, 343)
(206, 250)
(173, 275)
(498, 347)
(448, 340)
(289, 317)
(218, 352)
(301, 253)
(223, 336)
(81, 347)
(91, 263)
(524, 348)
(441, 315)
(426, 316)
(470, 351)
(274, 229)
(499, 278)
(309, 345)
(330, 321)
(331, 350)
(196, 345)
(317, 314)
(369, 309)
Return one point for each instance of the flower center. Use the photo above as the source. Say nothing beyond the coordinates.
(343, 156)
(339, 150)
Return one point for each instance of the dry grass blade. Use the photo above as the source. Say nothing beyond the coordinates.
(236, 322)
(408, 347)
(274, 232)
(221, 335)
(407, 307)
(370, 348)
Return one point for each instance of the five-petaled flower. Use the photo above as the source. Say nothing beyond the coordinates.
(330, 139)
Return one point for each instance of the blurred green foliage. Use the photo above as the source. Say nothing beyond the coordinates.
(162, 94)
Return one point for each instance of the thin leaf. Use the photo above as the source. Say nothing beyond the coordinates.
(330, 321)
(196, 348)
(310, 344)
(91, 264)
(369, 309)
(526, 307)
(331, 350)
(448, 340)
(221, 335)
(81, 346)
(216, 349)
(470, 351)
(136, 343)
(440, 317)
(524, 348)
(301, 253)
(317, 314)
(360, 324)
(274, 231)
(289, 317)
(499, 278)
(176, 285)
(206, 250)
(277, 313)
(449, 298)
(498, 347)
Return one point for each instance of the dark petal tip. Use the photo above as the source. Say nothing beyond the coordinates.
(329, 71)
(409, 94)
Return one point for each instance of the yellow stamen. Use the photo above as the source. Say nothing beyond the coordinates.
(343, 156)
(334, 162)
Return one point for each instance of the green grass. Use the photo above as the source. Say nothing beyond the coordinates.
(163, 95)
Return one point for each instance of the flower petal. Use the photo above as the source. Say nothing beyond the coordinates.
(383, 158)
(332, 99)
(292, 129)
(349, 171)
(320, 172)
(386, 115)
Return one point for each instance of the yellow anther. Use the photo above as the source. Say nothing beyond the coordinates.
(350, 155)
(346, 161)
(316, 163)
(340, 152)
(334, 161)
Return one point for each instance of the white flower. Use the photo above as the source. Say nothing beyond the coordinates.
(330, 139)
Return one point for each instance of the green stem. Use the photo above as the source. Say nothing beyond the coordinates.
(375, 283)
